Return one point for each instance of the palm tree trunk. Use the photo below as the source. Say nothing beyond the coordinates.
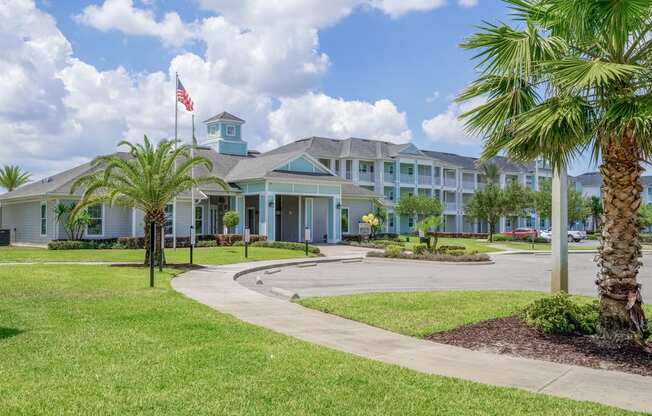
(619, 253)
(158, 217)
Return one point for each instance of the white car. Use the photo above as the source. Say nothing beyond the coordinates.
(573, 236)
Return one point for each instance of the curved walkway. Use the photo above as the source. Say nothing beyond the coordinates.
(216, 287)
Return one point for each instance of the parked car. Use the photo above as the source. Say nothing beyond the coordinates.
(522, 233)
(573, 236)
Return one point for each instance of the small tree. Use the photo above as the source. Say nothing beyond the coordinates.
(231, 219)
(373, 221)
(74, 225)
(487, 205)
(431, 223)
(645, 216)
(516, 200)
(579, 207)
(426, 210)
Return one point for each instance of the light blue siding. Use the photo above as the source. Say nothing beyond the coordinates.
(306, 189)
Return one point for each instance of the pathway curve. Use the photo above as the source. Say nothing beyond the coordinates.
(217, 288)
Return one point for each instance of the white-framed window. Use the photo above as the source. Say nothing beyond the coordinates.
(199, 220)
(44, 219)
(391, 220)
(410, 222)
(230, 131)
(212, 129)
(95, 227)
(169, 219)
(410, 170)
(390, 195)
(345, 220)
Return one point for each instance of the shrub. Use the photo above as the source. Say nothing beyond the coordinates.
(286, 245)
(446, 249)
(132, 242)
(72, 245)
(501, 237)
(206, 243)
(393, 251)
(465, 257)
(419, 249)
(646, 238)
(558, 314)
(231, 219)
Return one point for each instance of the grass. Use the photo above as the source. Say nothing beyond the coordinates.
(95, 340)
(468, 243)
(420, 314)
(212, 255)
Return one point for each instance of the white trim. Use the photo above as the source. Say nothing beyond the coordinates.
(348, 220)
(102, 219)
(203, 219)
(43, 216)
(230, 126)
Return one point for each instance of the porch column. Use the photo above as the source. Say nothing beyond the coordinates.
(239, 208)
(262, 214)
(271, 216)
(559, 278)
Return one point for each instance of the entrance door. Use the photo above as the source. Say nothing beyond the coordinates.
(287, 218)
(213, 221)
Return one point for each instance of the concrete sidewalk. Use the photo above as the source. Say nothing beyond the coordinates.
(217, 288)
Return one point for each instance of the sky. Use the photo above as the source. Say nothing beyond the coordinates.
(80, 76)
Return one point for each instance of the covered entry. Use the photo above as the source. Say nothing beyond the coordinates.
(294, 212)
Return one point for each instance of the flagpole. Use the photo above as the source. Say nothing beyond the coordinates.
(193, 214)
(176, 125)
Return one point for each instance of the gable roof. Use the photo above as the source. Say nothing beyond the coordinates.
(225, 116)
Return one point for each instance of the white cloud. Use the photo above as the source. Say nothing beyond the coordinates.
(433, 97)
(321, 115)
(57, 111)
(397, 8)
(467, 3)
(446, 127)
(123, 16)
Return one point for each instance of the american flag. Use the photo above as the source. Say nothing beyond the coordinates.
(183, 97)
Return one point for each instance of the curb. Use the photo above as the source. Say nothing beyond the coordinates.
(292, 263)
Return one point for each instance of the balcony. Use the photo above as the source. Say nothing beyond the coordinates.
(425, 180)
(468, 185)
(450, 206)
(437, 181)
(450, 182)
(389, 177)
(407, 179)
(365, 176)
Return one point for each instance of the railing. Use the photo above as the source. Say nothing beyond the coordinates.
(389, 177)
(468, 185)
(425, 179)
(366, 177)
(406, 178)
(450, 206)
(450, 182)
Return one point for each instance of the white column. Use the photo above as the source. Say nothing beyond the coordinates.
(133, 222)
(559, 278)
(355, 174)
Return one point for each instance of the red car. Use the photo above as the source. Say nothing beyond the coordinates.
(522, 233)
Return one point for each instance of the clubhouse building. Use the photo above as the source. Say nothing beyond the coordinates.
(324, 184)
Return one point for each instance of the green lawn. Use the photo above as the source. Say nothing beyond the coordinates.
(422, 313)
(212, 255)
(95, 340)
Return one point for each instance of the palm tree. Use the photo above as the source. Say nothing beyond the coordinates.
(570, 76)
(12, 177)
(148, 177)
(491, 171)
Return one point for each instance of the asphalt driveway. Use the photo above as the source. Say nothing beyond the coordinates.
(510, 272)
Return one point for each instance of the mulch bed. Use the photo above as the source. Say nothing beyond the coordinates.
(512, 336)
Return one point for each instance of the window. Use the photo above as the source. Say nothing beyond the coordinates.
(390, 195)
(230, 131)
(410, 170)
(44, 219)
(169, 219)
(410, 222)
(391, 220)
(95, 225)
(199, 220)
(345, 220)
(337, 167)
(325, 162)
(212, 129)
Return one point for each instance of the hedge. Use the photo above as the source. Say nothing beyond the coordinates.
(286, 245)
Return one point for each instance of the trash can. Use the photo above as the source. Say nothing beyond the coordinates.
(5, 237)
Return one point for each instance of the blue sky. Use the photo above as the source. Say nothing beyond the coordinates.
(382, 69)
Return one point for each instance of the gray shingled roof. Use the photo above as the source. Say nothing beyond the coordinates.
(225, 116)
(595, 179)
(351, 190)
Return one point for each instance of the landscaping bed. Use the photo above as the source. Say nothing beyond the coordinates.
(513, 336)
(453, 258)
